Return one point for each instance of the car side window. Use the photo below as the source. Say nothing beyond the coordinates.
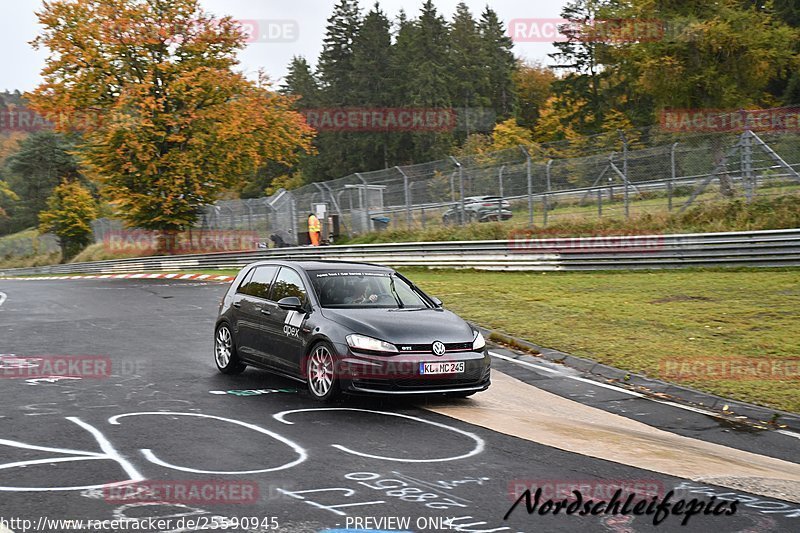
(245, 281)
(288, 283)
(261, 282)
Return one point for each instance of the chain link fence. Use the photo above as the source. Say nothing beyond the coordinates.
(28, 244)
(610, 175)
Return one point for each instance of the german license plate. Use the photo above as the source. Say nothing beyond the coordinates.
(441, 368)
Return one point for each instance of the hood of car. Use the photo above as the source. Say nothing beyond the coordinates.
(403, 326)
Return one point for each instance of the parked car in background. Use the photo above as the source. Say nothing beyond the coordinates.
(479, 209)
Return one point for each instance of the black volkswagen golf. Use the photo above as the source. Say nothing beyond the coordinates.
(347, 327)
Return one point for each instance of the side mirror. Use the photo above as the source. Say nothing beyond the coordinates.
(291, 303)
(436, 301)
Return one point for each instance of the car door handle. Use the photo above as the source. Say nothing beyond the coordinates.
(266, 312)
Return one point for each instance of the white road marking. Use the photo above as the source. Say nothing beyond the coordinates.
(524, 363)
(302, 455)
(108, 453)
(3, 298)
(628, 392)
(789, 433)
(479, 442)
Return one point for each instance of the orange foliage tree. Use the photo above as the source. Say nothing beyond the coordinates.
(167, 122)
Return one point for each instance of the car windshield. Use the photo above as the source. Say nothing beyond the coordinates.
(356, 289)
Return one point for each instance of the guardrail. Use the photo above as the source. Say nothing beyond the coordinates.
(778, 248)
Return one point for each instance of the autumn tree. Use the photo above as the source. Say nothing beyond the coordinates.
(167, 123)
(70, 210)
(717, 54)
(533, 85)
(6, 194)
(508, 134)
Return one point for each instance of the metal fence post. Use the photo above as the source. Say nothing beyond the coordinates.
(547, 192)
(365, 205)
(625, 171)
(461, 188)
(249, 215)
(673, 175)
(408, 197)
(747, 165)
(611, 181)
(599, 203)
(500, 201)
(530, 184)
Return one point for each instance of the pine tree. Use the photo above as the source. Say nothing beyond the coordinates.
(335, 75)
(422, 65)
(581, 89)
(500, 64)
(469, 77)
(429, 83)
(301, 83)
(372, 85)
(792, 94)
(335, 65)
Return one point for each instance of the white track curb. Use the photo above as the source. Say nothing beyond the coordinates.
(179, 276)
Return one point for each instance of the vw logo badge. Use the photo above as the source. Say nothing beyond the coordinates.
(438, 348)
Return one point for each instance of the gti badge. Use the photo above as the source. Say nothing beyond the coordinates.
(438, 348)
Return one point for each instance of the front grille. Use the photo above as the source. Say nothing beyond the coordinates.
(428, 348)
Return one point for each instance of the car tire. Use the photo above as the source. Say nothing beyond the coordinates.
(323, 385)
(225, 356)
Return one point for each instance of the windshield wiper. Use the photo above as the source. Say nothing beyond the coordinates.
(394, 292)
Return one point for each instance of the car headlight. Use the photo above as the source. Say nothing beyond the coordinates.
(479, 343)
(368, 344)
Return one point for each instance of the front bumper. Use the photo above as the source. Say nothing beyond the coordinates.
(400, 374)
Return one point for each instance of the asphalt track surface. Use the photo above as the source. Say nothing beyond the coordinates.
(162, 413)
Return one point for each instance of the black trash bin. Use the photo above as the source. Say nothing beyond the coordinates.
(380, 223)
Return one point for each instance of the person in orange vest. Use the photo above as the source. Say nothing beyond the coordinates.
(314, 229)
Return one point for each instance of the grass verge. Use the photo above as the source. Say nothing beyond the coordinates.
(642, 321)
